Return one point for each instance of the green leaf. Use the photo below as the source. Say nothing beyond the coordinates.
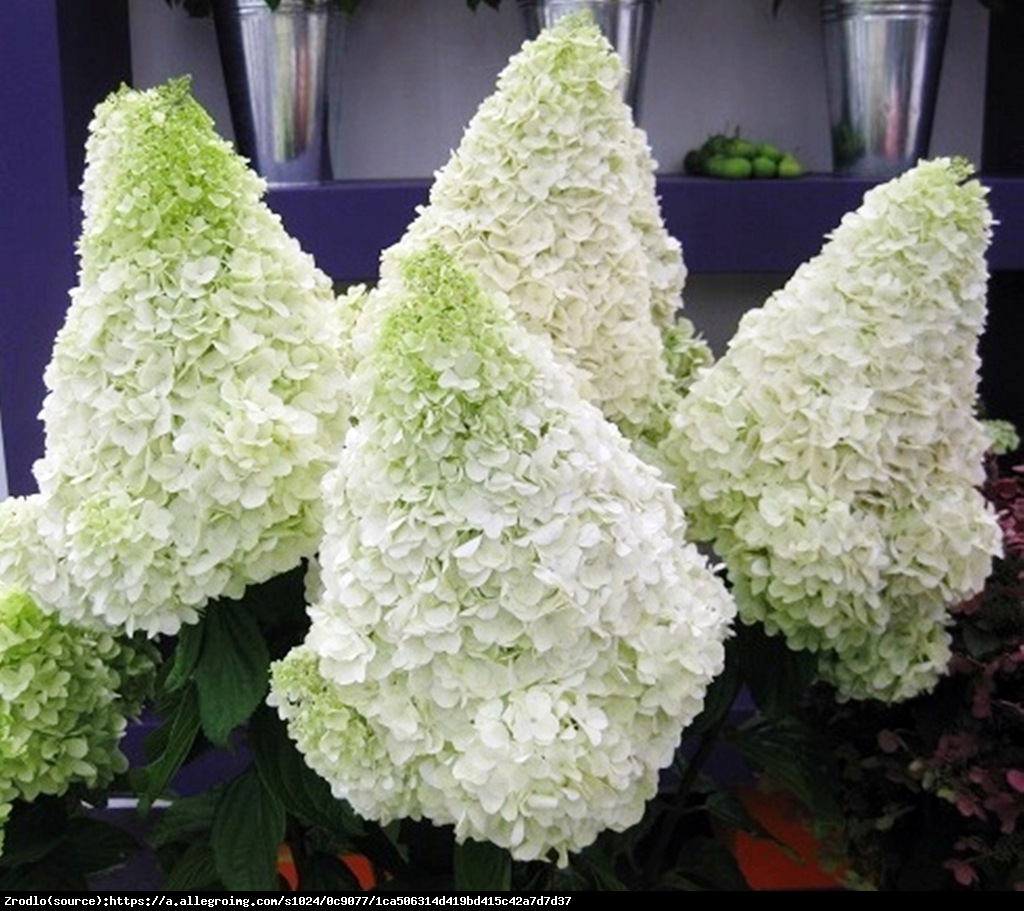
(175, 738)
(720, 696)
(776, 675)
(248, 830)
(43, 878)
(482, 867)
(791, 756)
(93, 846)
(599, 868)
(706, 865)
(232, 675)
(304, 793)
(33, 830)
(725, 807)
(278, 606)
(193, 871)
(188, 647)
(981, 643)
(184, 818)
(321, 872)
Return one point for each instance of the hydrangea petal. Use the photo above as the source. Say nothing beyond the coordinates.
(524, 680)
(833, 454)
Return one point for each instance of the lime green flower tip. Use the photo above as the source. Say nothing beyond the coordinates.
(140, 142)
(442, 305)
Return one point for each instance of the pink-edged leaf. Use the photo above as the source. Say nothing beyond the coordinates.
(962, 871)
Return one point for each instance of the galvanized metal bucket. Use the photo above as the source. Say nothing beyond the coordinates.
(625, 23)
(883, 60)
(276, 75)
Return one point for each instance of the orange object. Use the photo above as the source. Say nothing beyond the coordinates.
(767, 866)
(286, 867)
(361, 869)
(360, 866)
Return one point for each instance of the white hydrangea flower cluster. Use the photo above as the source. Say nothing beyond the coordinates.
(512, 631)
(833, 454)
(550, 198)
(29, 561)
(196, 391)
(65, 694)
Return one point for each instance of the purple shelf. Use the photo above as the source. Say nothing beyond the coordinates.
(775, 225)
(724, 226)
(346, 224)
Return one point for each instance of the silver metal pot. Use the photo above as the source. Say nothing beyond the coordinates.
(883, 60)
(275, 71)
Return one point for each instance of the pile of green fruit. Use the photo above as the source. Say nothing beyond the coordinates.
(737, 158)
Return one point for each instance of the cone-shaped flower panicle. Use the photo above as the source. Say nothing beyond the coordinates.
(196, 394)
(65, 695)
(512, 631)
(832, 455)
(551, 199)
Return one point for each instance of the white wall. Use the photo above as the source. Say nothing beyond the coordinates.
(417, 69)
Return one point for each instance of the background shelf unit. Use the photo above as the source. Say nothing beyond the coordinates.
(58, 59)
(724, 226)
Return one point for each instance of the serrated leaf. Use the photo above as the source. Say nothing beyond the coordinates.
(43, 878)
(193, 871)
(188, 647)
(185, 817)
(791, 756)
(93, 846)
(304, 793)
(482, 867)
(320, 872)
(601, 870)
(278, 606)
(33, 831)
(776, 675)
(248, 830)
(232, 675)
(176, 736)
(706, 865)
(725, 807)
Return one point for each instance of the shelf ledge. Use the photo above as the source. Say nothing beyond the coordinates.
(724, 226)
